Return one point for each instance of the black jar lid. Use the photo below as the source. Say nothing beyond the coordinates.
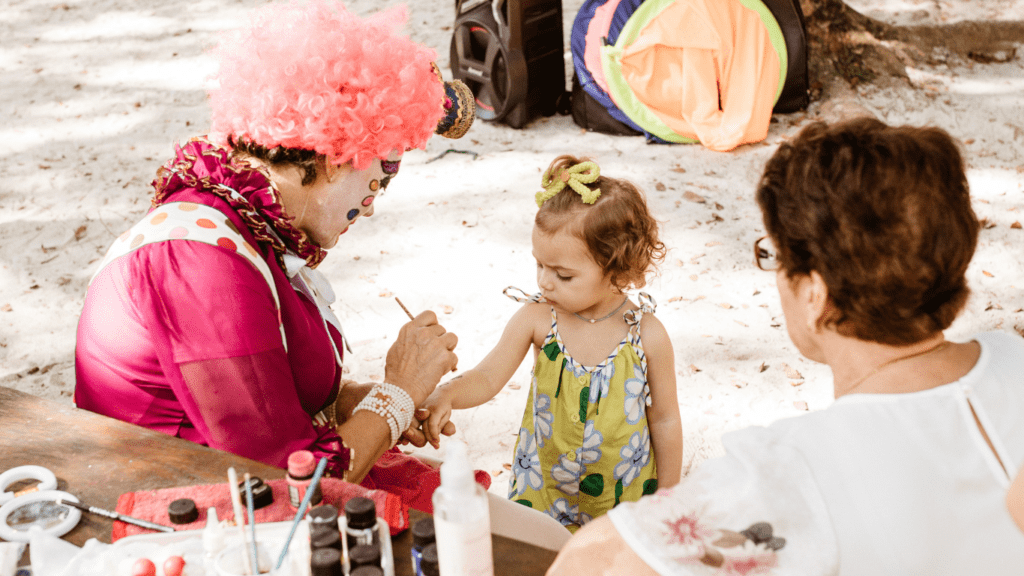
(428, 561)
(324, 514)
(183, 511)
(367, 571)
(423, 532)
(262, 495)
(360, 513)
(325, 539)
(325, 562)
(364, 555)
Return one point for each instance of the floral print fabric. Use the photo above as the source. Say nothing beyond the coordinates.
(584, 445)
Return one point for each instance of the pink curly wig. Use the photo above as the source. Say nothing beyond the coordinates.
(317, 77)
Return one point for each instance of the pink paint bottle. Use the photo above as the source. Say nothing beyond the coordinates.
(301, 465)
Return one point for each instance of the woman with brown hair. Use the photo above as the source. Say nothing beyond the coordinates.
(870, 233)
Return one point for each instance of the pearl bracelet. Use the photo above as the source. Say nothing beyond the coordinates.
(392, 404)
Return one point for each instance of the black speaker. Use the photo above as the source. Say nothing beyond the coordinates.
(510, 54)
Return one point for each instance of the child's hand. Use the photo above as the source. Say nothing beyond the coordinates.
(435, 414)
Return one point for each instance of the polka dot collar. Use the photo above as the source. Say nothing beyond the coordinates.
(201, 165)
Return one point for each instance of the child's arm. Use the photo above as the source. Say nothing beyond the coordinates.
(663, 414)
(485, 380)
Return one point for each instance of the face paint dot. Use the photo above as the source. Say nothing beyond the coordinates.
(352, 214)
(179, 232)
(158, 219)
(226, 243)
(368, 200)
(188, 206)
(204, 223)
(374, 185)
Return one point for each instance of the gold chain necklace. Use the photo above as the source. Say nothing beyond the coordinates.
(892, 361)
(609, 315)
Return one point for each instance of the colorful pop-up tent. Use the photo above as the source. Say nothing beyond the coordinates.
(708, 71)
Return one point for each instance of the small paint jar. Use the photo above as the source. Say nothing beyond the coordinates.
(428, 563)
(361, 522)
(367, 571)
(301, 465)
(363, 555)
(325, 562)
(422, 535)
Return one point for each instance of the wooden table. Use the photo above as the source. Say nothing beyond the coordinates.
(98, 458)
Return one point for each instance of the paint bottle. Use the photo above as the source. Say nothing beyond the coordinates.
(301, 465)
(462, 522)
(361, 522)
(422, 535)
(367, 571)
(325, 562)
(363, 555)
(214, 539)
(428, 563)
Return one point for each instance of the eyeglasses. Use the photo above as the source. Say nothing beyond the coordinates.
(766, 257)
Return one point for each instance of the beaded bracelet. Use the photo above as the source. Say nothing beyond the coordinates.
(392, 404)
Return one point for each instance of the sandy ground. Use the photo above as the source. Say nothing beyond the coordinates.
(94, 93)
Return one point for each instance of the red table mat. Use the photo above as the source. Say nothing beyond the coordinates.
(152, 505)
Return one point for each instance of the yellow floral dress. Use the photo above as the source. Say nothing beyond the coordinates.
(584, 444)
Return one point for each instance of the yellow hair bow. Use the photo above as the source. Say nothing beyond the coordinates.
(577, 177)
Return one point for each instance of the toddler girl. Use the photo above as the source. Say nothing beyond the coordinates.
(602, 424)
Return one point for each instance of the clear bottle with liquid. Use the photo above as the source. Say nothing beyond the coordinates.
(462, 523)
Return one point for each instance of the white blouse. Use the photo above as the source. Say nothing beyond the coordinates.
(874, 485)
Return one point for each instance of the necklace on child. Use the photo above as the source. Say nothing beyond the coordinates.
(610, 314)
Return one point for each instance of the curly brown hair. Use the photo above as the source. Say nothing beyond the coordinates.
(307, 161)
(884, 215)
(617, 228)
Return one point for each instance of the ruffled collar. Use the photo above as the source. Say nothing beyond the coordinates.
(201, 165)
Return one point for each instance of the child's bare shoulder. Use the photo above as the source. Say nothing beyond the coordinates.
(651, 328)
(534, 317)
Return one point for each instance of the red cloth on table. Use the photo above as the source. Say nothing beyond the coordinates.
(152, 505)
(411, 478)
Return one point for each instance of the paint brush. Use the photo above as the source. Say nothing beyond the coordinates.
(252, 520)
(236, 504)
(407, 313)
(115, 515)
(301, 513)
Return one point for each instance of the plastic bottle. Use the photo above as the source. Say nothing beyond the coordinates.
(301, 465)
(361, 522)
(422, 534)
(214, 539)
(462, 522)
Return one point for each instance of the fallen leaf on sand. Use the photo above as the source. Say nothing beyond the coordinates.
(693, 277)
(495, 472)
(800, 405)
(675, 299)
(715, 243)
(762, 367)
(795, 383)
(514, 386)
(1015, 226)
(80, 232)
(987, 273)
(507, 466)
(694, 369)
(791, 372)
(726, 305)
(659, 187)
(693, 197)
(6, 308)
(385, 294)
(678, 170)
(447, 309)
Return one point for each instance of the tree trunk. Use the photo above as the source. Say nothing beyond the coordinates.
(845, 45)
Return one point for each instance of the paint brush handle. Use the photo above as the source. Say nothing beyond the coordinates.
(407, 313)
(127, 519)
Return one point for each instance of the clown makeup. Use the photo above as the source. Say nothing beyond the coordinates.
(334, 202)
